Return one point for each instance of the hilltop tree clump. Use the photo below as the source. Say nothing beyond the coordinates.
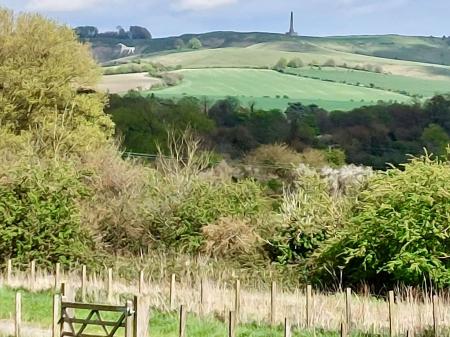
(195, 43)
(399, 230)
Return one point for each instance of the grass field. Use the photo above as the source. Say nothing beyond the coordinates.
(37, 311)
(263, 87)
(229, 59)
(413, 86)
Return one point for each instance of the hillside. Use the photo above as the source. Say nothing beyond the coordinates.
(364, 69)
(420, 49)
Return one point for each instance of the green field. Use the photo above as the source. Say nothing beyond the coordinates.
(237, 64)
(397, 83)
(263, 87)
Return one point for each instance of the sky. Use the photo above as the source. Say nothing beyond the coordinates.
(312, 17)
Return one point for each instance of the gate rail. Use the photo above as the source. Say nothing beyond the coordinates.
(68, 321)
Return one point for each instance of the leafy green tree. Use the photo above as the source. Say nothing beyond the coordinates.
(195, 43)
(281, 64)
(295, 63)
(435, 139)
(137, 32)
(398, 231)
(45, 81)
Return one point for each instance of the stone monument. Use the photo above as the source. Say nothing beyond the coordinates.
(292, 32)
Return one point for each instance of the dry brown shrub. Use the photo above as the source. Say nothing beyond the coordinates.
(115, 210)
(314, 158)
(231, 237)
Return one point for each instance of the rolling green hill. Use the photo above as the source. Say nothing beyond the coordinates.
(406, 66)
(269, 89)
(420, 49)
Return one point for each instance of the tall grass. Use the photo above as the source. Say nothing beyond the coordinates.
(413, 309)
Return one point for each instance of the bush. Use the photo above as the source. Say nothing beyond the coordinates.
(172, 79)
(181, 220)
(295, 63)
(330, 63)
(230, 237)
(399, 230)
(281, 64)
(195, 43)
(310, 215)
(40, 218)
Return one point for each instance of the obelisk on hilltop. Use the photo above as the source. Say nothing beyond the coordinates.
(291, 29)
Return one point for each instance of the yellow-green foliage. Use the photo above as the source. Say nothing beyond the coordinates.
(310, 214)
(178, 220)
(41, 67)
(40, 218)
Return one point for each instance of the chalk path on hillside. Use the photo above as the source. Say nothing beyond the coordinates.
(122, 83)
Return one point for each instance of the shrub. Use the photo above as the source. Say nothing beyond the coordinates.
(281, 64)
(231, 237)
(295, 63)
(399, 230)
(195, 43)
(172, 79)
(180, 221)
(330, 63)
(310, 215)
(40, 218)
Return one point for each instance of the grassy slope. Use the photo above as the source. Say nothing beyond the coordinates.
(263, 86)
(37, 309)
(422, 49)
(416, 86)
(262, 50)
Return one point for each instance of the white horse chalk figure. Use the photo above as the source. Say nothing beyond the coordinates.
(126, 50)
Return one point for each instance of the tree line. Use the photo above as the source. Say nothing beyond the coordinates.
(376, 136)
(134, 32)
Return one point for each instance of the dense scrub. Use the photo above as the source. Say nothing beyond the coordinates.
(68, 195)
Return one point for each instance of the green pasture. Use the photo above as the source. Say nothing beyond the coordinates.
(410, 85)
(270, 89)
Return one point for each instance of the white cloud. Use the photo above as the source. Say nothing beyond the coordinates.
(62, 5)
(201, 4)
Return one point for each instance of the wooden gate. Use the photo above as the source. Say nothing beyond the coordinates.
(72, 326)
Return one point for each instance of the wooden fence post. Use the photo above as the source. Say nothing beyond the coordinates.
(110, 285)
(129, 320)
(57, 275)
(141, 316)
(273, 304)
(202, 296)
(344, 331)
(18, 315)
(391, 313)
(56, 312)
(9, 272)
(308, 306)
(237, 299)
(287, 328)
(435, 316)
(33, 275)
(182, 327)
(232, 324)
(172, 292)
(348, 309)
(141, 282)
(83, 283)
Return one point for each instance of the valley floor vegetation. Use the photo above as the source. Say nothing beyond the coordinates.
(69, 195)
